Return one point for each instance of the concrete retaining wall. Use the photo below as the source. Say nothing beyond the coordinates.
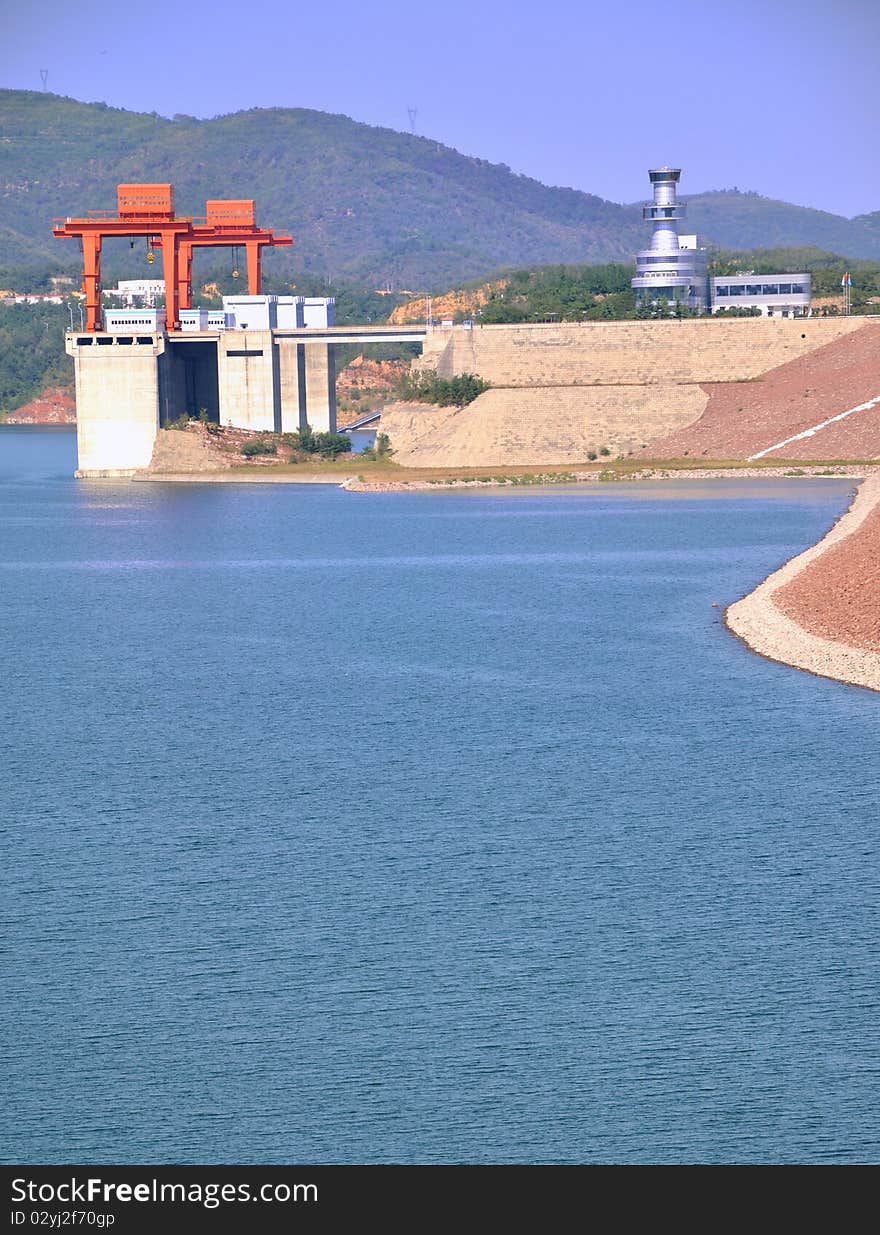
(628, 353)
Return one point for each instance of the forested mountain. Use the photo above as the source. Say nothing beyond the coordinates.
(734, 220)
(364, 204)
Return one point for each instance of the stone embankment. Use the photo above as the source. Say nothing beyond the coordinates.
(543, 425)
(821, 611)
(629, 353)
(561, 391)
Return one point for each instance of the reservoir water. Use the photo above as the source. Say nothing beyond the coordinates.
(428, 827)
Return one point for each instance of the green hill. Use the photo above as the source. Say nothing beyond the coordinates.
(365, 205)
(748, 221)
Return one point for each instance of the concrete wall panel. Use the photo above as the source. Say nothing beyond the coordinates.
(247, 376)
(117, 405)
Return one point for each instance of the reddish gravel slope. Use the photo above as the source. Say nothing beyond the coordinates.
(55, 406)
(837, 596)
(742, 418)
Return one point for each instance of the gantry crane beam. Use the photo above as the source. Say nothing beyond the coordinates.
(92, 231)
(205, 236)
(148, 210)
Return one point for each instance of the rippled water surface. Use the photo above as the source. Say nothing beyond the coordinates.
(425, 828)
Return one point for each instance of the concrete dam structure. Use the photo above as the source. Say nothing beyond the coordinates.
(267, 365)
(560, 392)
(128, 386)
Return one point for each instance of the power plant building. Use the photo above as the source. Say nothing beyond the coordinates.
(674, 268)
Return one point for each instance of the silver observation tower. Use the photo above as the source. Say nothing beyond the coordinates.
(674, 268)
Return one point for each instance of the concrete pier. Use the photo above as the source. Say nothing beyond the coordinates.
(248, 381)
(320, 384)
(117, 401)
(130, 386)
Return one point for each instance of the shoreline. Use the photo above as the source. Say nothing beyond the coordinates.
(765, 629)
(355, 483)
(807, 471)
(230, 476)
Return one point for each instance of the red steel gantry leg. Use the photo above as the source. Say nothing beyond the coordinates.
(184, 273)
(170, 241)
(91, 247)
(254, 266)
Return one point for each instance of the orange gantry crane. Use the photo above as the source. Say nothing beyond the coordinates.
(148, 210)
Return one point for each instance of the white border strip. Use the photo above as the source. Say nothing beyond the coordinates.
(862, 407)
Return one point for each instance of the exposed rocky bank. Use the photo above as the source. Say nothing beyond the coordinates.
(55, 406)
(821, 611)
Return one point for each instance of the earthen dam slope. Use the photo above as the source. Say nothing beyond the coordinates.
(560, 392)
(822, 405)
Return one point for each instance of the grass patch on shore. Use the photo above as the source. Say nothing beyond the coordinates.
(569, 473)
(387, 472)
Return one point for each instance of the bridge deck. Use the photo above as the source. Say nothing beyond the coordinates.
(315, 334)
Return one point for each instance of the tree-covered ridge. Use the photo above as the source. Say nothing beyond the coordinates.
(603, 292)
(365, 205)
(736, 220)
(32, 353)
(562, 293)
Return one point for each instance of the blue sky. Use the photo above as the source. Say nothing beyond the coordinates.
(777, 96)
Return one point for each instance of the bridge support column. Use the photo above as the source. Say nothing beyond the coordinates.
(292, 375)
(320, 362)
(308, 385)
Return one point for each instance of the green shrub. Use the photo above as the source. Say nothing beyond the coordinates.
(381, 450)
(327, 445)
(255, 447)
(427, 387)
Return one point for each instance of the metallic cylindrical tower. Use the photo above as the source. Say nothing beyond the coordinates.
(667, 271)
(665, 212)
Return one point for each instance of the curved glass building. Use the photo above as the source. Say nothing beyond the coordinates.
(674, 268)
